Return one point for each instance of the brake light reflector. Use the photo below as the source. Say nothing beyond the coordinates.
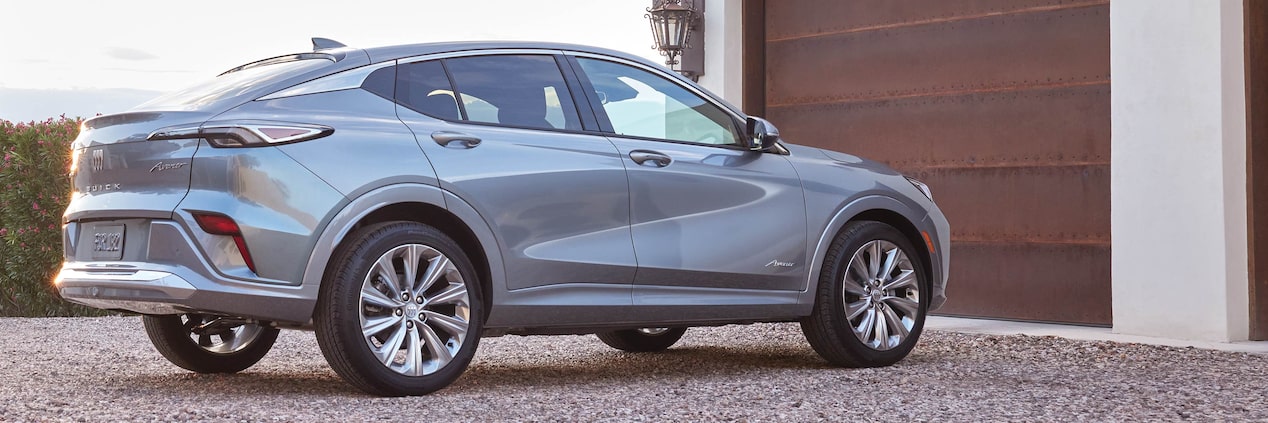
(217, 224)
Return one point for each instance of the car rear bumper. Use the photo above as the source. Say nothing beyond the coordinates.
(173, 277)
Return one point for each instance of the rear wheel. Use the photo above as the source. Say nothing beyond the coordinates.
(399, 313)
(872, 298)
(209, 344)
(642, 340)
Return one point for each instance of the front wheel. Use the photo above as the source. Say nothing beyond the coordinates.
(872, 298)
(400, 310)
(642, 340)
(209, 344)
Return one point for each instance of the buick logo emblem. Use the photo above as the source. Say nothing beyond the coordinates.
(98, 160)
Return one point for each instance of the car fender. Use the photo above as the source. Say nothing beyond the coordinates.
(848, 211)
(354, 211)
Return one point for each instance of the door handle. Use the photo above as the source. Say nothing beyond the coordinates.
(446, 138)
(642, 157)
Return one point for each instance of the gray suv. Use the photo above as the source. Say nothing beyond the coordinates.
(404, 202)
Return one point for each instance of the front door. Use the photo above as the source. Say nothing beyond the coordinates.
(704, 213)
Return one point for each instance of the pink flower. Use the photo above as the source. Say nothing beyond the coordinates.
(4, 231)
(35, 206)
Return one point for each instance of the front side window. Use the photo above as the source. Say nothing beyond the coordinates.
(642, 104)
(515, 90)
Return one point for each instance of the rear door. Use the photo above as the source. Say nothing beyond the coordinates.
(504, 134)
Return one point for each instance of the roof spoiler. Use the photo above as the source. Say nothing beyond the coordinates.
(320, 44)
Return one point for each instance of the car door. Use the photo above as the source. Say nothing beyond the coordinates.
(503, 134)
(705, 213)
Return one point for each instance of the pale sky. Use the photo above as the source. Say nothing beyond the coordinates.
(78, 56)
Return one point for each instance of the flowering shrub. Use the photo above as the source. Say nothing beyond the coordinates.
(34, 190)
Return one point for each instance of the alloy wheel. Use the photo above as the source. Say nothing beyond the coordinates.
(415, 310)
(882, 295)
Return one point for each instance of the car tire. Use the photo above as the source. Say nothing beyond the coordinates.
(642, 340)
(228, 349)
(858, 288)
(392, 338)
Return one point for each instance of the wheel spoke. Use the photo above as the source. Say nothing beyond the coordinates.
(895, 323)
(387, 272)
(906, 278)
(438, 266)
(858, 268)
(882, 330)
(387, 353)
(902, 304)
(371, 295)
(891, 260)
(413, 354)
(454, 294)
(854, 309)
(873, 260)
(452, 325)
(204, 340)
(412, 254)
(374, 325)
(854, 287)
(438, 350)
(865, 326)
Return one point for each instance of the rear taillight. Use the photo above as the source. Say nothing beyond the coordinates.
(244, 133)
(217, 224)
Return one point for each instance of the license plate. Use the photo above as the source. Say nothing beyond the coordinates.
(107, 242)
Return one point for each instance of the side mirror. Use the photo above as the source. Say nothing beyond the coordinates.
(762, 134)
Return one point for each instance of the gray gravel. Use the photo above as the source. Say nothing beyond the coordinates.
(104, 369)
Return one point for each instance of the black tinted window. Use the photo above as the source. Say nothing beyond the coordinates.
(424, 88)
(526, 91)
(381, 82)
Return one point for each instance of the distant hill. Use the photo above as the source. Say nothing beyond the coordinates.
(22, 105)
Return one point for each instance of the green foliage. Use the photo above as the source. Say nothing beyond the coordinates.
(34, 190)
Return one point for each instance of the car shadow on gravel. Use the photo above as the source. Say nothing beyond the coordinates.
(625, 368)
(494, 374)
(248, 384)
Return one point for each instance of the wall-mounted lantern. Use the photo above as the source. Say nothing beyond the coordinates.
(673, 23)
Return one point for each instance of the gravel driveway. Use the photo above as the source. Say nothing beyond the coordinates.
(103, 369)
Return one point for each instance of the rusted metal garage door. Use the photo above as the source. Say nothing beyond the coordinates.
(1001, 106)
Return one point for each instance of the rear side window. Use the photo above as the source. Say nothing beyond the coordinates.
(423, 87)
(381, 82)
(515, 90)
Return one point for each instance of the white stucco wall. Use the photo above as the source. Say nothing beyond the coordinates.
(1178, 169)
(724, 50)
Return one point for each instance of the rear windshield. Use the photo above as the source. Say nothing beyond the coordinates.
(232, 84)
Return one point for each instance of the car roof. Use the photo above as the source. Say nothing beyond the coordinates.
(380, 54)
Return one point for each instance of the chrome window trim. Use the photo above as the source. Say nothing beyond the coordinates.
(344, 80)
